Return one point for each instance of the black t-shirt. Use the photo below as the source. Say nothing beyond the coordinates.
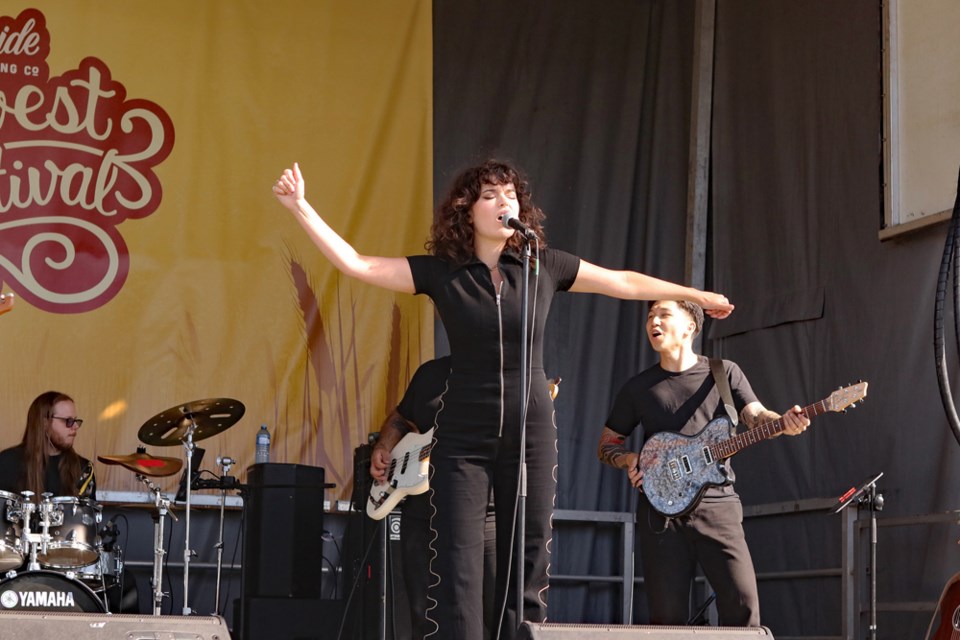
(420, 401)
(11, 463)
(658, 400)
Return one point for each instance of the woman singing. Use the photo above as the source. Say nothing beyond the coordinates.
(473, 275)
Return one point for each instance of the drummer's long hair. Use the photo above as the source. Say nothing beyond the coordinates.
(36, 436)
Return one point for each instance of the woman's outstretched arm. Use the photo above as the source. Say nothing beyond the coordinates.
(389, 273)
(632, 285)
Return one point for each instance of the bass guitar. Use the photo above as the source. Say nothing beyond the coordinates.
(409, 471)
(947, 615)
(408, 474)
(678, 469)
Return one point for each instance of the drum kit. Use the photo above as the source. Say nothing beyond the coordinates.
(54, 556)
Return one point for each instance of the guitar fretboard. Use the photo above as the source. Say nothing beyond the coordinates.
(765, 431)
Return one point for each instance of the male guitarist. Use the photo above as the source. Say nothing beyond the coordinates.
(680, 394)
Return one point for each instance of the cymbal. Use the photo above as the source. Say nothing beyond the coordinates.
(211, 416)
(145, 464)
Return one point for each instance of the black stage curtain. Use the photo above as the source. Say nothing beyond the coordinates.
(592, 100)
(797, 203)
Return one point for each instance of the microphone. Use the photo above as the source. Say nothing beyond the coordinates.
(225, 461)
(510, 220)
(108, 534)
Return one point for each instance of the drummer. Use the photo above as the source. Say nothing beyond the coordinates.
(45, 460)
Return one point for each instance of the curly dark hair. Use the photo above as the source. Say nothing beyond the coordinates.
(451, 236)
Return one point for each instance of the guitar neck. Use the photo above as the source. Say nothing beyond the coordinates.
(765, 431)
(425, 452)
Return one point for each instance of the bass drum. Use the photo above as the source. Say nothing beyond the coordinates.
(47, 591)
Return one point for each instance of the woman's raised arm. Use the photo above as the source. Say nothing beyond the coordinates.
(632, 285)
(389, 273)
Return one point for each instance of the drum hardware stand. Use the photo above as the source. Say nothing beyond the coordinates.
(867, 497)
(184, 424)
(226, 480)
(48, 517)
(163, 508)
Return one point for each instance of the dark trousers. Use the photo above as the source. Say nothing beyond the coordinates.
(415, 538)
(711, 536)
(460, 485)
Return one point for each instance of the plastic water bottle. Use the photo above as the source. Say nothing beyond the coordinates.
(263, 445)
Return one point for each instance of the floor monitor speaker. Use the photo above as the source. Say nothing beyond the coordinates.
(552, 631)
(47, 625)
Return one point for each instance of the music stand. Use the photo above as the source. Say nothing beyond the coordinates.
(182, 490)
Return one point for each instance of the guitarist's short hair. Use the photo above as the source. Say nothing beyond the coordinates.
(694, 310)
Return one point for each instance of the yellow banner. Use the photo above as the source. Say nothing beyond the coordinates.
(150, 263)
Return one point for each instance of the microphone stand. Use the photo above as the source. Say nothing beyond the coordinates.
(521, 531)
(187, 551)
(867, 496)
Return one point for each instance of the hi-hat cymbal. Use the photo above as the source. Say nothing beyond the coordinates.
(145, 464)
(210, 417)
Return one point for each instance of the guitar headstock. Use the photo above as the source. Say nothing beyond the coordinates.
(6, 303)
(845, 397)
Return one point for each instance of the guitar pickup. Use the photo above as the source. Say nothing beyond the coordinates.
(707, 457)
(685, 461)
(674, 469)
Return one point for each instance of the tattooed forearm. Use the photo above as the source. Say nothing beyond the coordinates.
(755, 414)
(403, 427)
(611, 449)
(392, 431)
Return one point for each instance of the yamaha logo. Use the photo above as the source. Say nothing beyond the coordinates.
(55, 599)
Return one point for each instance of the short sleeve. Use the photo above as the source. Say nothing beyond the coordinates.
(624, 416)
(563, 267)
(739, 386)
(426, 271)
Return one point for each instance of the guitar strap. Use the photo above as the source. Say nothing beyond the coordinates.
(723, 385)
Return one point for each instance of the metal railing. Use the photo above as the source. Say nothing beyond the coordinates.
(852, 572)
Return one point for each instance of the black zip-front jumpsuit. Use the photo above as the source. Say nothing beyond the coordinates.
(478, 435)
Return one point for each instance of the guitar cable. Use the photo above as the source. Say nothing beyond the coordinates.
(950, 255)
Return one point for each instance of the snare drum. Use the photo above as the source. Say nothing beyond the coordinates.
(47, 591)
(11, 553)
(75, 542)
